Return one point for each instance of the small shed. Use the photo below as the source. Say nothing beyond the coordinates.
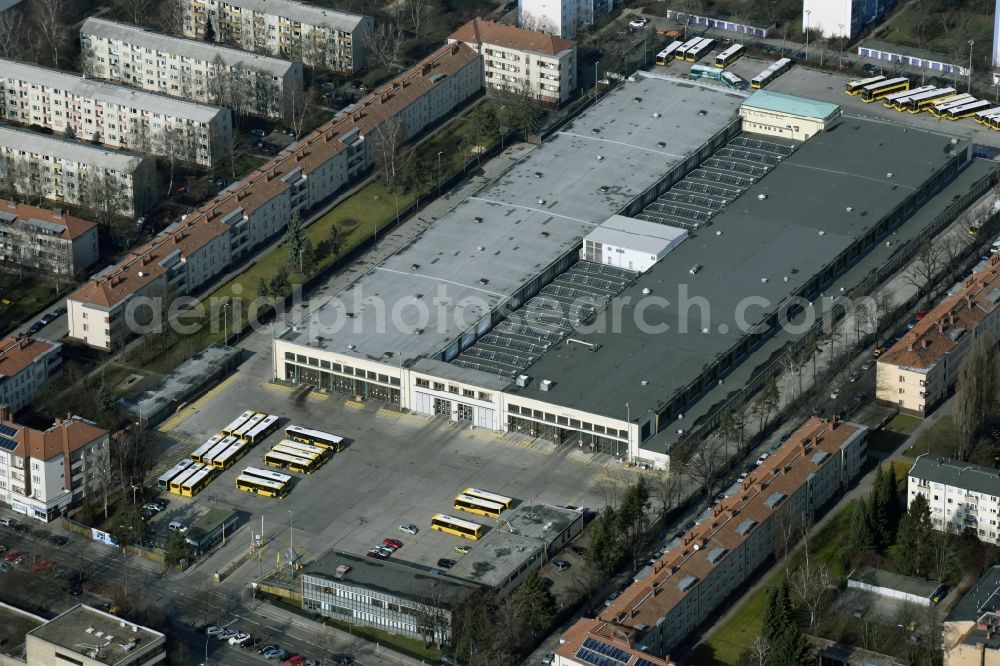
(895, 586)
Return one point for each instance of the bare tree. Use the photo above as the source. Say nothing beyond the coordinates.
(813, 584)
(170, 17)
(176, 146)
(11, 34)
(877, 306)
(418, 10)
(49, 17)
(384, 41)
(388, 138)
(107, 197)
(300, 105)
(705, 467)
(137, 11)
(974, 391)
(666, 487)
(758, 653)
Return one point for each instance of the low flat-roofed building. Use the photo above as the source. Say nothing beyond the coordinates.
(787, 116)
(906, 56)
(963, 498)
(26, 364)
(918, 372)
(717, 558)
(114, 115)
(210, 528)
(191, 69)
(47, 241)
(46, 472)
(500, 560)
(553, 526)
(629, 243)
(894, 585)
(538, 64)
(73, 172)
(85, 636)
(981, 602)
(391, 595)
(14, 624)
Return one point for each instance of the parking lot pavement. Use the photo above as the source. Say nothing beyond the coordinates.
(397, 469)
(829, 87)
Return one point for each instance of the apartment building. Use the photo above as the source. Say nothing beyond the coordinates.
(843, 18)
(46, 241)
(240, 219)
(963, 498)
(689, 583)
(385, 594)
(515, 59)
(26, 364)
(114, 115)
(971, 634)
(194, 70)
(74, 173)
(561, 17)
(918, 372)
(45, 472)
(316, 36)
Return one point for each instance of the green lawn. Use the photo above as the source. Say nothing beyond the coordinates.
(939, 439)
(724, 646)
(933, 26)
(893, 434)
(23, 297)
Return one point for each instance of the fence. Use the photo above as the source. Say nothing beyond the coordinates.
(866, 287)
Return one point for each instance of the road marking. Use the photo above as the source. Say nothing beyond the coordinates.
(354, 404)
(186, 412)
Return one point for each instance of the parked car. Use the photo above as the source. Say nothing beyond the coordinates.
(742, 477)
(560, 565)
(395, 544)
(239, 639)
(267, 648)
(258, 132)
(12, 555)
(4, 567)
(152, 506)
(446, 563)
(276, 654)
(611, 599)
(75, 590)
(549, 657)
(463, 549)
(214, 631)
(227, 634)
(342, 659)
(59, 540)
(834, 394)
(382, 550)
(177, 526)
(407, 528)
(376, 554)
(577, 550)
(867, 365)
(765, 456)
(294, 660)
(8, 522)
(639, 22)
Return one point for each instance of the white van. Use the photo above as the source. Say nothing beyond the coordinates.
(177, 526)
(407, 528)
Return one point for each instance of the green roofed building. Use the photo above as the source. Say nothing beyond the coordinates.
(210, 528)
(766, 112)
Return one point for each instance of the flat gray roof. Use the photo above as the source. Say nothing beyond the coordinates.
(83, 626)
(67, 149)
(14, 624)
(392, 576)
(543, 522)
(890, 580)
(985, 480)
(192, 48)
(303, 13)
(108, 92)
(984, 597)
(763, 248)
(494, 243)
(496, 557)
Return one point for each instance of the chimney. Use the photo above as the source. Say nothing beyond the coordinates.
(925, 343)
(426, 69)
(941, 326)
(909, 347)
(57, 213)
(4, 411)
(951, 318)
(968, 301)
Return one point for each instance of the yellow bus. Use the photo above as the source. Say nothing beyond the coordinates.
(315, 437)
(729, 56)
(260, 431)
(876, 91)
(666, 55)
(480, 506)
(854, 87)
(238, 421)
(175, 471)
(306, 448)
(197, 482)
(198, 455)
(283, 459)
(178, 481)
(234, 452)
(263, 482)
(503, 500)
(457, 526)
(774, 70)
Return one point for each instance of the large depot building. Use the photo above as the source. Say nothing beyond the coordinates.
(614, 287)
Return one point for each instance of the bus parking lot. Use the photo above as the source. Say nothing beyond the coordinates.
(396, 469)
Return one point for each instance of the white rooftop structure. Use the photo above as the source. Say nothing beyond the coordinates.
(629, 243)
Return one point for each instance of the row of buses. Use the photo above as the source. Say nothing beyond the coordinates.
(472, 500)
(694, 50)
(773, 71)
(940, 102)
(302, 451)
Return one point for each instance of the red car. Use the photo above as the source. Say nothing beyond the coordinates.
(392, 543)
(12, 555)
(41, 566)
(295, 660)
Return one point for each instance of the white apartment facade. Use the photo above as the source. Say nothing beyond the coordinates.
(114, 115)
(963, 498)
(516, 59)
(45, 472)
(33, 164)
(26, 364)
(187, 68)
(917, 373)
(315, 36)
(249, 212)
(560, 17)
(46, 241)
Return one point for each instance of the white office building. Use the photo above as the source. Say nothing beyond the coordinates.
(313, 35)
(193, 70)
(113, 115)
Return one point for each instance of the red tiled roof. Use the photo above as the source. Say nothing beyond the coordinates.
(61, 437)
(265, 183)
(614, 635)
(478, 31)
(18, 354)
(72, 226)
(939, 330)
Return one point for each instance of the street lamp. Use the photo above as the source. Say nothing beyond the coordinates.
(596, 77)
(439, 173)
(291, 539)
(300, 259)
(971, 43)
(502, 128)
(808, 12)
(225, 323)
(843, 37)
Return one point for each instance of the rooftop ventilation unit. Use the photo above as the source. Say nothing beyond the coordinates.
(522, 380)
(646, 291)
(761, 196)
(538, 174)
(656, 114)
(545, 385)
(351, 347)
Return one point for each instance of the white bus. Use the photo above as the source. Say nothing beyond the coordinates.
(240, 420)
(249, 425)
(226, 459)
(306, 448)
(177, 483)
(219, 449)
(507, 502)
(260, 431)
(314, 437)
(682, 50)
(729, 56)
(895, 99)
(666, 55)
(699, 50)
(173, 472)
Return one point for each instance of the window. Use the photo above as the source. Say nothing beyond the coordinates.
(452, 389)
(438, 386)
(483, 395)
(60, 655)
(423, 383)
(468, 393)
